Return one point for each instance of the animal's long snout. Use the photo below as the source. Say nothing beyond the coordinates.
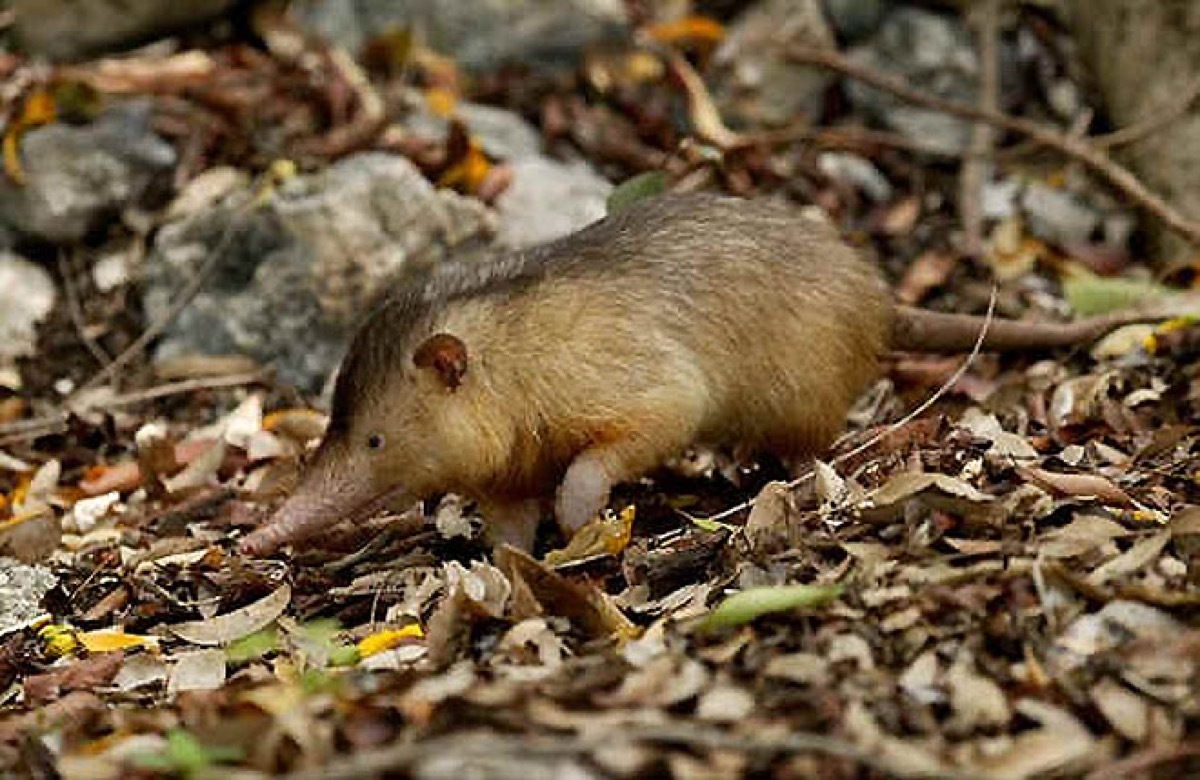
(302, 516)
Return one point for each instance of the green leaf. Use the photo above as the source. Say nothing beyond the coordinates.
(640, 187)
(185, 752)
(1089, 294)
(324, 631)
(344, 655)
(253, 646)
(712, 526)
(748, 605)
(186, 756)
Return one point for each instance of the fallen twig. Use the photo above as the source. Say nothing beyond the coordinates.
(1077, 148)
(364, 128)
(841, 136)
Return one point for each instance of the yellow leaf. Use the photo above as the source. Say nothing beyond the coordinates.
(386, 640)
(603, 536)
(299, 424)
(469, 172)
(107, 641)
(12, 156)
(1150, 344)
(39, 109)
(441, 101)
(60, 639)
(698, 29)
(278, 172)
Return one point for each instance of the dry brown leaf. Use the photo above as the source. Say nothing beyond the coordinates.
(582, 603)
(930, 270)
(86, 674)
(223, 629)
(1077, 485)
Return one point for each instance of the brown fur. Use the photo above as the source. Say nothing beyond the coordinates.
(590, 360)
(685, 319)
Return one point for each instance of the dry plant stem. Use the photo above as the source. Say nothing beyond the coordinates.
(187, 386)
(25, 429)
(903, 421)
(67, 271)
(975, 166)
(705, 116)
(181, 301)
(840, 136)
(1076, 148)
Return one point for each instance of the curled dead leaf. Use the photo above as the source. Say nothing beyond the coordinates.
(223, 629)
(1078, 485)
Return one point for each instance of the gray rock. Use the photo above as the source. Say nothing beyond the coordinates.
(1059, 216)
(858, 172)
(77, 176)
(478, 34)
(27, 295)
(854, 20)
(298, 272)
(72, 29)
(549, 199)
(1144, 57)
(931, 51)
(501, 133)
(22, 589)
(753, 80)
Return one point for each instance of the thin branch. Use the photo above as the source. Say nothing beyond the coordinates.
(1158, 119)
(186, 386)
(38, 426)
(1077, 148)
(888, 431)
(975, 167)
(842, 136)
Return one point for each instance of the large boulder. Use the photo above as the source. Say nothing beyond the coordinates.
(294, 275)
(930, 50)
(478, 34)
(74, 29)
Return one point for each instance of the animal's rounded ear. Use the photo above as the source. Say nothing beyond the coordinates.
(445, 354)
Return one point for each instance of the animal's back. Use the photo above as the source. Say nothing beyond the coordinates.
(682, 318)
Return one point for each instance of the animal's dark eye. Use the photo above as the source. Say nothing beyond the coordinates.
(375, 442)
